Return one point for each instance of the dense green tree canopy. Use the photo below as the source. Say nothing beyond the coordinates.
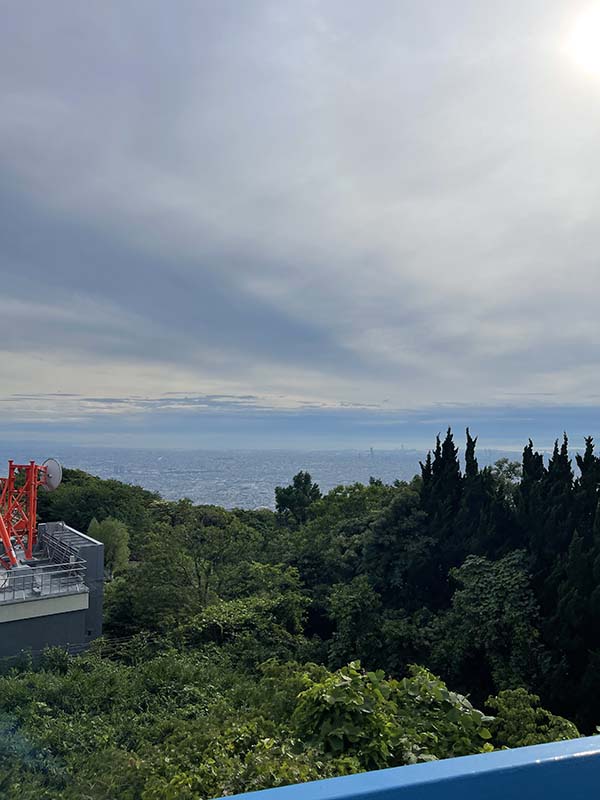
(115, 537)
(293, 502)
(371, 626)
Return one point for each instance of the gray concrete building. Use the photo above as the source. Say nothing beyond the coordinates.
(56, 598)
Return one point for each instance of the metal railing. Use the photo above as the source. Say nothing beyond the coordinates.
(59, 551)
(59, 570)
(543, 772)
(42, 581)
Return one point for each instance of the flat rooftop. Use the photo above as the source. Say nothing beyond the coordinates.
(55, 569)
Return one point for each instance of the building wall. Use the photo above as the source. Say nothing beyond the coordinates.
(92, 552)
(38, 632)
(65, 620)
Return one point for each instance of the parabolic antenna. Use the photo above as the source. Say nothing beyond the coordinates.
(53, 475)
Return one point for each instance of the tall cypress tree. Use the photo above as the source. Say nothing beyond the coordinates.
(472, 501)
(558, 497)
(585, 492)
(443, 502)
(571, 630)
(449, 481)
(530, 501)
(485, 520)
(471, 465)
(595, 561)
(442, 482)
(427, 481)
(436, 466)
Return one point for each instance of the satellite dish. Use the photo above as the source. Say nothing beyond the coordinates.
(53, 474)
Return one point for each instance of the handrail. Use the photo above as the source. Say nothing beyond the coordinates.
(78, 564)
(569, 769)
(58, 570)
(41, 580)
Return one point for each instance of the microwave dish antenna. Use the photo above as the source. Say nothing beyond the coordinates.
(18, 507)
(52, 477)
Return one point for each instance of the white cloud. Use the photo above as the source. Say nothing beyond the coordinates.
(324, 203)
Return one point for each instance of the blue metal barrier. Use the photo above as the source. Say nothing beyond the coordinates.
(558, 771)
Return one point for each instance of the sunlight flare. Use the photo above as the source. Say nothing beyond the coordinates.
(583, 41)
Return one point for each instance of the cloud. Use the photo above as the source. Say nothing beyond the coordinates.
(326, 204)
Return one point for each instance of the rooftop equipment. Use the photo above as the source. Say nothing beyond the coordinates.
(18, 508)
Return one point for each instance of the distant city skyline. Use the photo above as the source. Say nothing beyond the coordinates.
(504, 428)
(299, 224)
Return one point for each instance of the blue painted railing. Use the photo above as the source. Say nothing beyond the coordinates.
(559, 771)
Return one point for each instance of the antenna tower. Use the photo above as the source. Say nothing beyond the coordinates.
(18, 507)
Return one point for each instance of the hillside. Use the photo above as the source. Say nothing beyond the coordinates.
(342, 632)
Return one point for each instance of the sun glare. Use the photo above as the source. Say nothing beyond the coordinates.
(583, 43)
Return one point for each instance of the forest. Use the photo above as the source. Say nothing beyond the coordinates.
(372, 626)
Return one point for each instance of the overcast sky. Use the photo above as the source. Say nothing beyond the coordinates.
(233, 221)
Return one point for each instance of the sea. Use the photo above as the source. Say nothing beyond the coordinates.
(230, 478)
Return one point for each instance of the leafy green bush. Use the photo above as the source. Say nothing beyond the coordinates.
(350, 712)
(437, 722)
(519, 721)
(386, 722)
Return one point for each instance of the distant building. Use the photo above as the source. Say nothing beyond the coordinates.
(56, 597)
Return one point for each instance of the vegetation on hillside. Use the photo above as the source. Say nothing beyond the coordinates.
(372, 626)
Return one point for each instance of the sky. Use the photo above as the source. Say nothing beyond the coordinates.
(297, 223)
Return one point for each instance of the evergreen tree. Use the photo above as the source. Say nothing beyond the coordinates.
(559, 518)
(571, 630)
(586, 490)
(441, 497)
(474, 502)
(558, 523)
(426, 480)
(398, 553)
(471, 465)
(530, 500)
(294, 501)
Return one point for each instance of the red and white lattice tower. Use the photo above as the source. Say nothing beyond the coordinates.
(18, 508)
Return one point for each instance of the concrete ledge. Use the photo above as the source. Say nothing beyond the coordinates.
(43, 606)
